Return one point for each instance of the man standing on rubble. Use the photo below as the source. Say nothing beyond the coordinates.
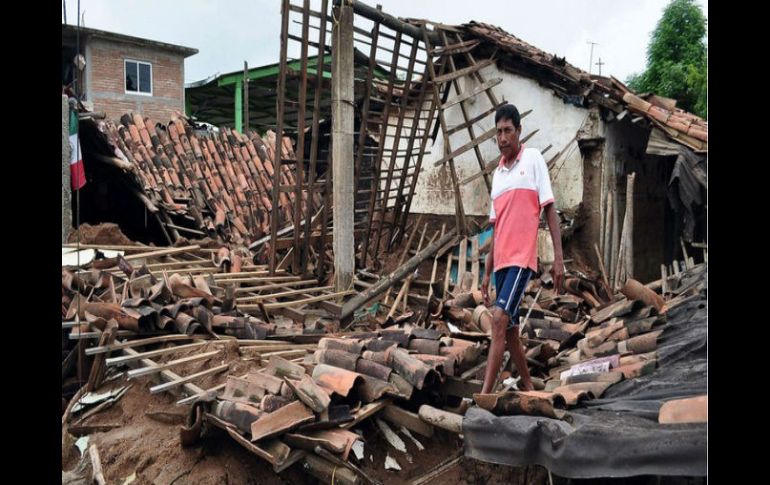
(521, 187)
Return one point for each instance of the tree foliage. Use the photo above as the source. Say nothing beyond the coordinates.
(677, 62)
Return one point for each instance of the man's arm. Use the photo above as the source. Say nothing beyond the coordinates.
(558, 258)
(490, 261)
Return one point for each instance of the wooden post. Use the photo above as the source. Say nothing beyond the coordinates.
(435, 267)
(279, 134)
(607, 232)
(300, 250)
(628, 224)
(475, 261)
(615, 240)
(245, 98)
(342, 147)
(687, 264)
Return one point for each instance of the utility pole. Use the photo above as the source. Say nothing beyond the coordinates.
(591, 59)
(600, 64)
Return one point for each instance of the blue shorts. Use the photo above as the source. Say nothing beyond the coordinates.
(511, 283)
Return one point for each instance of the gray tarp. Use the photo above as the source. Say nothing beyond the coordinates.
(618, 435)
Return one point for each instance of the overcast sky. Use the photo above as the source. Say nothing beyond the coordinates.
(228, 32)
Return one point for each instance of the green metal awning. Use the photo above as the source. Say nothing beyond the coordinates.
(218, 100)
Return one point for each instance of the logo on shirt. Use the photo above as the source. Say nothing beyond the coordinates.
(521, 173)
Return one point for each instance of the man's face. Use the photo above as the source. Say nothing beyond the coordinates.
(507, 138)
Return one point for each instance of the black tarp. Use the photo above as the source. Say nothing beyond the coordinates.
(617, 435)
(687, 188)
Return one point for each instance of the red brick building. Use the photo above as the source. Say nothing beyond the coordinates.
(124, 73)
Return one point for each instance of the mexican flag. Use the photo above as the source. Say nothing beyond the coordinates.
(77, 173)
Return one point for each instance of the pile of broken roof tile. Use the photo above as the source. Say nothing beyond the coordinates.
(578, 349)
(142, 301)
(288, 408)
(220, 182)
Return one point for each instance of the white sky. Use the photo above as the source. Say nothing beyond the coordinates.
(228, 32)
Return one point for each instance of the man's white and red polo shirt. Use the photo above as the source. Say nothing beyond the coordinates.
(518, 195)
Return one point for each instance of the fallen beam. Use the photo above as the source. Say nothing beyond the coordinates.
(443, 419)
(403, 271)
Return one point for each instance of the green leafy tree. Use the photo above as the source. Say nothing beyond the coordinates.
(677, 62)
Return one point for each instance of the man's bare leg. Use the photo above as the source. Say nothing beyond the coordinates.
(517, 354)
(500, 321)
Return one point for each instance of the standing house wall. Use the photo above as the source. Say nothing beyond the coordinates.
(556, 121)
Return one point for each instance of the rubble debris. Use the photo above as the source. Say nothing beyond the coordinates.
(391, 463)
(414, 440)
(689, 410)
(93, 398)
(321, 366)
(391, 436)
(82, 444)
(358, 449)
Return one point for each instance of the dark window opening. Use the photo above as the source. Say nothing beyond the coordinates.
(138, 77)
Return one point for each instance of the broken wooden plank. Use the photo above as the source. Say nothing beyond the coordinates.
(161, 252)
(409, 420)
(152, 353)
(271, 306)
(475, 262)
(98, 366)
(463, 72)
(211, 392)
(366, 411)
(452, 49)
(443, 419)
(391, 437)
(141, 342)
(144, 371)
(327, 472)
(463, 261)
(383, 284)
(473, 92)
(487, 135)
(277, 348)
(447, 274)
(282, 293)
(288, 284)
(171, 385)
(435, 268)
(97, 473)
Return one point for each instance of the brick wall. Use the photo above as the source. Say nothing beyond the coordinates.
(107, 81)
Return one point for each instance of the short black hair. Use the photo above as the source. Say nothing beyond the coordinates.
(508, 112)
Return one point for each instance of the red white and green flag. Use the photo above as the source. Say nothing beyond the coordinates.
(77, 172)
